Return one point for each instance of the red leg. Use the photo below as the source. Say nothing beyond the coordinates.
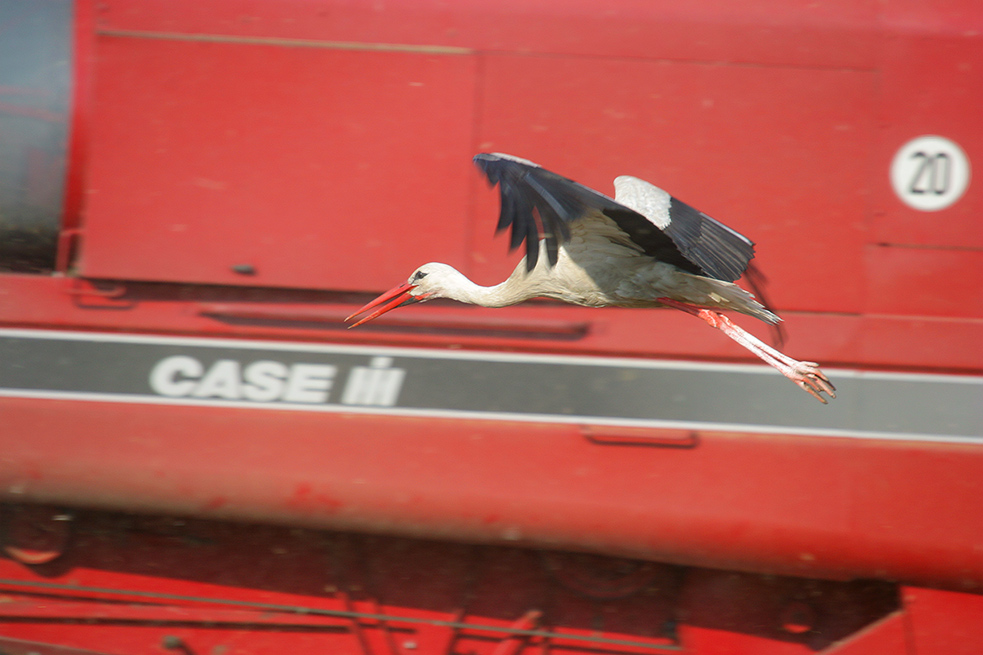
(805, 374)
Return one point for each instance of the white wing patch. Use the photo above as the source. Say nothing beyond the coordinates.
(518, 160)
(647, 199)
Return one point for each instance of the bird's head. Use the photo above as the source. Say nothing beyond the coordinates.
(426, 283)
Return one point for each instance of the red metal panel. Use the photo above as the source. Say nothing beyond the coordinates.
(887, 510)
(836, 34)
(785, 619)
(925, 282)
(944, 622)
(923, 342)
(779, 154)
(319, 168)
(127, 582)
(328, 168)
(889, 636)
(926, 343)
(930, 85)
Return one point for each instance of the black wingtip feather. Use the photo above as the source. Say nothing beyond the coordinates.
(532, 246)
(721, 253)
(537, 203)
(508, 210)
(486, 162)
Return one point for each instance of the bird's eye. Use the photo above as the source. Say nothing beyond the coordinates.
(419, 275)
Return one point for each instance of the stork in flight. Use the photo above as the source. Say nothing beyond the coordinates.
(644, 248)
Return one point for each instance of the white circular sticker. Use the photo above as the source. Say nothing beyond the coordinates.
(930, 173)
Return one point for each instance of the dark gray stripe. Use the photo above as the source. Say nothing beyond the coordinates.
(487, 385)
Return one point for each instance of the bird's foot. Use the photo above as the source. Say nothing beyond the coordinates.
(804, 374)
(810, 379)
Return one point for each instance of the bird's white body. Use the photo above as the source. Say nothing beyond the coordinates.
(616, 280)
(598, 266)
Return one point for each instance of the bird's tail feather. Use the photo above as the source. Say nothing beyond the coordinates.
(729, 296)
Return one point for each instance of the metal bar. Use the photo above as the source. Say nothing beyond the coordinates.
(356, 627)
(93, 610)
(513, 644)
(11, 646)
(286, 42)
(300, 609)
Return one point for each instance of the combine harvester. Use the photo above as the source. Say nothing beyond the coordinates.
(197, 457)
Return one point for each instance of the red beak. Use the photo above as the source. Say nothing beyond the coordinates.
(399, 296)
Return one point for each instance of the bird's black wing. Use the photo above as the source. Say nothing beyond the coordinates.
(719, 251)
(539, 204)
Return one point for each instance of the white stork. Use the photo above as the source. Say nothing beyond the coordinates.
(644, 248)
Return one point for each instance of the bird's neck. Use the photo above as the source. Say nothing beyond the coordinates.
(514, 290)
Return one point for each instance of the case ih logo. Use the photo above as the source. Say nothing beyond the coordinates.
(266, 380)
(258, 375)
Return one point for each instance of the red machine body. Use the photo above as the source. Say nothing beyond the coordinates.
(197, 456)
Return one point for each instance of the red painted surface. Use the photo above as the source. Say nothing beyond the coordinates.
(311, 591)
(793, 152)
(879, 341)
(299, 162)
(327, 145)
(709, 133)
(767, 32)
(888, 636)
(929, 87)
(878, 509)
(944, 621)
(905, 281)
